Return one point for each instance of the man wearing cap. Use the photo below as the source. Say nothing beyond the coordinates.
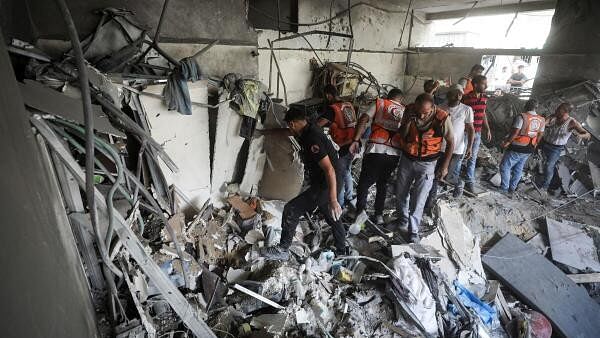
(321, 163)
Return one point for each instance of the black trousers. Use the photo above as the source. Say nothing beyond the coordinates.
(307, 201)
(376, 169)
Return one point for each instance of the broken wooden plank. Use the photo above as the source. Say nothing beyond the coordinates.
(582, 278)
(540, 284)
(245, 210)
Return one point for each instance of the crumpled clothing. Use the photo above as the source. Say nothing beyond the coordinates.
(485, 312)
(244, 94)
(176, 93)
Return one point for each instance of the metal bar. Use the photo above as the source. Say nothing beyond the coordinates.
(172, 295)
(205, 49)
(278, 72)
(314, 32)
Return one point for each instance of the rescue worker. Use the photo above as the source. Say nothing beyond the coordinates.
(340, 118)
(423, 129)
(527, 131)
(461, 116)
(559, 127)
(382, 151)
(466, 82)
(321, 163)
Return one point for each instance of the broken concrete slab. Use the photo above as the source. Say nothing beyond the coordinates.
(540, 284)
(571, 246)
(185, 139)
(229, 143)
(255, 165)
(273, 323)
(459, 249)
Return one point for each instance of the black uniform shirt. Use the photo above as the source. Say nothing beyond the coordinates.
(315, 146)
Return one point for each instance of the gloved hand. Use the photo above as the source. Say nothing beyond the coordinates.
(335, 209)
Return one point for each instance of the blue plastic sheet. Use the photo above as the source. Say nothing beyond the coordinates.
(469, 300)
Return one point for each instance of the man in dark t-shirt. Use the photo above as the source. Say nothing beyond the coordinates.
(321, 163)
(517, 80)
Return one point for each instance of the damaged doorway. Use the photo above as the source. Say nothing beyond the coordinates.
(502, 69)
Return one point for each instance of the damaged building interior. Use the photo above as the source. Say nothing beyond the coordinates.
(300, 168)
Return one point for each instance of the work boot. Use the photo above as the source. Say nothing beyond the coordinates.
(274, 253)
(414, 238)
(469, 187)
(458, 190)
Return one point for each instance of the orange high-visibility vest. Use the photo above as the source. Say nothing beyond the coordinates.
(425, 144)
(386, 122)
(532, 124)
(343, 125)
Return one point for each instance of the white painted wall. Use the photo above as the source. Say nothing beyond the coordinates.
(185, 139)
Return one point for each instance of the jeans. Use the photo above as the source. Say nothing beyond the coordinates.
(551, 154)
(307, 201)
(511, 169)
(453, 177)
(470, 174)
(414, 182)
(376, 169)
(346, 183)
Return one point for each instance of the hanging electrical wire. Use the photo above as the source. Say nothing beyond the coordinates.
(466, 14)
(404, 24)
(513, 19)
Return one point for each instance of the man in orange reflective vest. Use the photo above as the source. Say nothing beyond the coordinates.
(340, 117)
(527, 132)
(423, 130)
(382, 151)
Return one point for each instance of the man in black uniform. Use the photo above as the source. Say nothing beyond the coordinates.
(320, 160)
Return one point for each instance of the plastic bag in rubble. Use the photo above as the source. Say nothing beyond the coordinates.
(358, 224)
(423, 305)
(272, 222)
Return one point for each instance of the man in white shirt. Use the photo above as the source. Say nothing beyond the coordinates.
(461, 116)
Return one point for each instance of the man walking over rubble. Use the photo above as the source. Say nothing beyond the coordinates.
(477, 100)
(559, 127)
(423, 130)
(320, 161)
(527, 131)
(382, 151)
(461, 116)
(340, 118)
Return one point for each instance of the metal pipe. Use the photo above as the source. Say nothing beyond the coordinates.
(86, 99)
(278, 71)
(205, 49)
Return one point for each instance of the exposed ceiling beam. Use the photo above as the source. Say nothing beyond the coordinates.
(494, 10)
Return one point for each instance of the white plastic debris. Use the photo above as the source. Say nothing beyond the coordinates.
(423, 305)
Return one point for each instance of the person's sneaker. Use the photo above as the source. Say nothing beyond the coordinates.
(458, 191)
(414, 238)
(379, 220)
(274, 253)
(470, 187)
